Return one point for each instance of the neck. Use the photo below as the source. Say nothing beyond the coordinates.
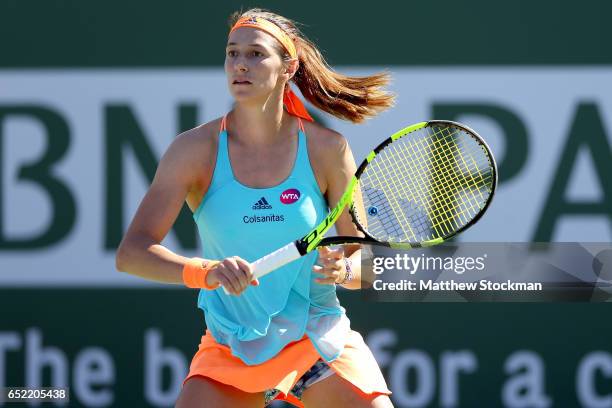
(259, 124)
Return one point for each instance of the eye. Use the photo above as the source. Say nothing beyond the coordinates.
(231, 53)
(257, 54)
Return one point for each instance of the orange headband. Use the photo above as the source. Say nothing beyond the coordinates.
(270, 28)
(292, 103)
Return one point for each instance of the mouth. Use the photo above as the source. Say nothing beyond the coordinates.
(237, 82)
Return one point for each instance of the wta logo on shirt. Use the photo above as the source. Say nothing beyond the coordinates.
(290, 196)
(261, 204)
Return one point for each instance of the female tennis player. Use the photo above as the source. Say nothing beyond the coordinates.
(256, 179)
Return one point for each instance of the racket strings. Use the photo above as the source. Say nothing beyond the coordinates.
(394, 221)
(423, 224)
(476, 184)
(383, 201)
(453, 181)
(430, 165)
(451, 185)
(413, 222)
(426, 186)
(419, 152)
(448, 182)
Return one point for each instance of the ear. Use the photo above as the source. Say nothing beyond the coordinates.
(292, 67)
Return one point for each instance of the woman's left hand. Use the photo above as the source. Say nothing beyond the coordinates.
(330, 265)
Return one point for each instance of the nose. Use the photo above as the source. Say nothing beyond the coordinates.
(241, 65)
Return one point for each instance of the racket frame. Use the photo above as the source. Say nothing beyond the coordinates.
(310, 241)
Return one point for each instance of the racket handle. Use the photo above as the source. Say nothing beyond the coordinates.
(274, 260)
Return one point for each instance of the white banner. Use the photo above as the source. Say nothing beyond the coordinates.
(534, 110)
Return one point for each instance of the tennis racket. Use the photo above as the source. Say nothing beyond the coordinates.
(420, 187)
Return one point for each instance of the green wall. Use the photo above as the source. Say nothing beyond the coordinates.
(192, 33)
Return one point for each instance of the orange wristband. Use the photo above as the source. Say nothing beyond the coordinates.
(195, 272)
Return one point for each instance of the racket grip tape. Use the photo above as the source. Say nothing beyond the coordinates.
(274, 260)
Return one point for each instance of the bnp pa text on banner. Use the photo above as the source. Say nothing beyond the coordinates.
(496, 272)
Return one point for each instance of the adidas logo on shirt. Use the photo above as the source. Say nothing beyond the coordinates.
(262, 204)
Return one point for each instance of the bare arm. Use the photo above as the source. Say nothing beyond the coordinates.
(140, 252)
(339, 168)
(185, 170)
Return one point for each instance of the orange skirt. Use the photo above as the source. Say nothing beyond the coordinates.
(355, 364)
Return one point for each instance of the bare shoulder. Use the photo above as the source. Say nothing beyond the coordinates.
(330, 156)
(324, 143)
(190, 156)
(197, 141)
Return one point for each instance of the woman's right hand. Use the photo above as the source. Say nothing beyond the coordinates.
(233, 273)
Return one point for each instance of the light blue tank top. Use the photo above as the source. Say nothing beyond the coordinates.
(234, 219)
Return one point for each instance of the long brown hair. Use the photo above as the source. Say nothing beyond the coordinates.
(345, 97)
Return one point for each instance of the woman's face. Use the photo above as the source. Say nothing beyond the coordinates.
(253, 66)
